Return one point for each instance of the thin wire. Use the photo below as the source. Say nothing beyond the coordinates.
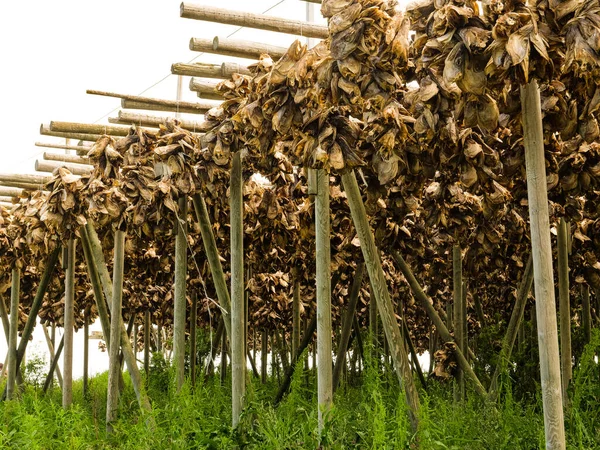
(189, 62)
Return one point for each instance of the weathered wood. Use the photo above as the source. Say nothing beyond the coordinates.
(223, 358)
(180, 301)
(236, 48)
(252, 364)
(445, 335)
(279, 342)
(69, 323)
(132, 368)
(77, 148)
(564, 309)
(53, 365)
(250, 20)
(147, 325)
(238, 341)
(36, 181)
(51, 166)
(157, 104)
(382, 295)
(10, 191)
(215, 347)
(214, 262)
(64, 158)
(222, 71)
(535, 162)
(413, 355)
(147, 120)
(13, 335)
(287, 379)
(52, 354)
(116, 321)
(459, 317)
(193, 323)
(206, 88)
(46, 131)
(263, 356)
(295, 313)
(511, 332)
(349, 315)
(86, 350)
(88, 128)
(323, 276)
(586, 316)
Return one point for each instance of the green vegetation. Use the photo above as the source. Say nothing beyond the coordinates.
(369, 413)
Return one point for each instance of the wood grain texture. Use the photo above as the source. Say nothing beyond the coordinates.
(69, 324)
(564, 309)
(180, 300)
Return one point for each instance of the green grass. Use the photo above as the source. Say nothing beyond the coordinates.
(369, 413)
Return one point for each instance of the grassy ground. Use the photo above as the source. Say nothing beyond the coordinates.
(368, 414)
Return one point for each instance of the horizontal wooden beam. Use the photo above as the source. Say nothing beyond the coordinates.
(157, 104)
(85, 148)
(45, 131)
(7, 198)
(222, 71)
(61, 157)
(10, 191)
(312, 1)
(51, 166)
(250, 20)
(24, 179)
(146, 120)
(205, 88)
(7, 205)
(88, 128)
(237, 48)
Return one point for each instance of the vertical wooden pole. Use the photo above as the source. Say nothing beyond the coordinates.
(295, 313)
(193, 323)
(180, 303)
(51, 353)
(53, 365)
(373, 325)
(67, 393)
(263, 356)
(114, 365)
(459, 317)
(86, 349)
(147, 325)
(238, 344)
(159, 331)
(13, 333)
(223, 358)
(564, 309)
(323, 268)
(586, 313)
(542, 265)
(382, 295)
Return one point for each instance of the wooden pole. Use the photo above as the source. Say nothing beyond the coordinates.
(459, 317)
(205, 88)
(296, 314)
(564, 309)
(340, 357)
(223, 358)
(54, 365)
(69, 324)
(86, 350)
(586, 313)
(88, 128)
(35, 181)
(45, 131)
(214, 262)
(382, 295)
(215, 347)
(193, 323)
(250, 20)
(116, 320)
(221, 71)
(323, 275)
(51, 166)
(75, 159)
(263, 356)
(157, 104)
(238, 344)
(52, 354)
(77, 148)
(107, 286)
(236, 48)
(511, 332)
(147, 325)
(413, 355)
(180, 302)
(542, 265)
(147, 120)
(12, 365)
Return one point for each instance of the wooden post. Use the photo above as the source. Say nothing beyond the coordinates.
(535, 163)
(586, 313)
(296, 313)
(147, 325)
(86, 350)
(564, 309)
(52, 354)
(238, 342)
(13, 335)
(116, 320)
(263, 356)
(459, 317)
(53, 365)
(67, 393)
(347, 325)
(511, 332)
(223, 358)
(193, 323)
(323, 275)
(212, 254)
(374, 342)
(180, 303)
(413, 355)
(382, 295)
